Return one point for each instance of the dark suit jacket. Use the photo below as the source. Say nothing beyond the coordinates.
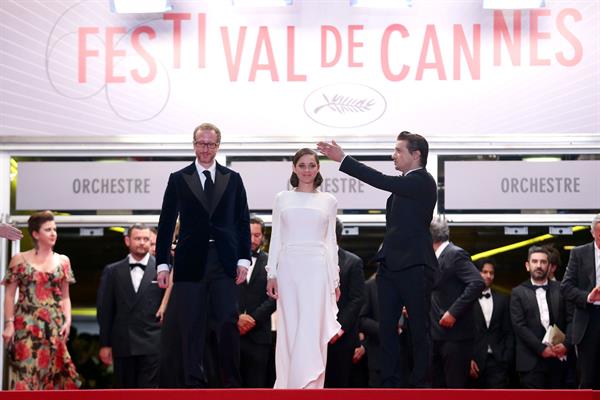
(457, 288)
(528, 329)
(498, 335)
(409, 210)
(254, 301)
(127, 319)
(578, 282)
(227, 222)
(352, 287)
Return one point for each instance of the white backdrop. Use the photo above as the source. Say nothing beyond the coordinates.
(317, 68)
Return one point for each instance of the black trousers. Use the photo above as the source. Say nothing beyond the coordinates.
(452, 361)
(339, 362)
(548, 373)
(588, 352)
(254, 363)
(409, 287)
(493, 374)
(183, 338)
(136, 371)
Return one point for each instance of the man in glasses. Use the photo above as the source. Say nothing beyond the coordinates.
(213, 255)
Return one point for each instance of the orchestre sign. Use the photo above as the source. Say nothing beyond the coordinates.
(93, 185)
(141, 185)
(519, 185)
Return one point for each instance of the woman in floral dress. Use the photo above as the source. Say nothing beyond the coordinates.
(37, 327)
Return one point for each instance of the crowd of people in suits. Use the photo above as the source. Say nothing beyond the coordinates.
(428, 318)
(481, 337)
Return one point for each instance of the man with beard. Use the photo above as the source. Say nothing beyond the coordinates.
(128, 298)
(255, 309)
(535, 305)
(494, 342)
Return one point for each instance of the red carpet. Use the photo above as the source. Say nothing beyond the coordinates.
(327, 394)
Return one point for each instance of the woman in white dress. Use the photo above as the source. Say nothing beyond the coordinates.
(303, 275)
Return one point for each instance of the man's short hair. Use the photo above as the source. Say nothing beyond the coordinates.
(439, 230)
(339, 228)
(415, 142)
(138, 226)
(207, 126)
(595, 221)
(488, 260)
(537, 249)
(257, 220)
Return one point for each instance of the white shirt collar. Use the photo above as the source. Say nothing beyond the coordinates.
(412, 170)
(442, 247)
(201, 169)
(143, 261)
(487, 290)
(539, 284)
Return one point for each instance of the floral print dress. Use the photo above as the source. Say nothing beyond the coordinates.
(38, 355)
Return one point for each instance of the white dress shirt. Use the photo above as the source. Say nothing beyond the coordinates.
(250, 269)
(540, 295)
(137, 273)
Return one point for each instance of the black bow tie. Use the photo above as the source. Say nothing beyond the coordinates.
(255, 254)
(536, 287)
(486, 295)
(142, 266)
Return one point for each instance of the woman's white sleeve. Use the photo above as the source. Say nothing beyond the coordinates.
(275, 243)
(332, 247)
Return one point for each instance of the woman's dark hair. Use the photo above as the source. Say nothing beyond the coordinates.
(299, 154)
(35, 222)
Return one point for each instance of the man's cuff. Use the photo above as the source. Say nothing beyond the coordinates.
(342, 160)
(242, 262)
(163, 267)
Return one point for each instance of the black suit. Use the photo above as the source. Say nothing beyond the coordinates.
(578, 282)
(408, 266)
(457, 288)
(494, 366)
(535, 371)
(128, 323)
(256, 343)
(211, 241)
(352, 288)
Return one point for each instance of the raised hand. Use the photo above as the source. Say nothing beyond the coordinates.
(331, 150)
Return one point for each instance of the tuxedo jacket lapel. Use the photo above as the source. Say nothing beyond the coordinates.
(260, 263)
(193, 181)
(149, 276)
(124, 280)
(221, 182)
(588, 259)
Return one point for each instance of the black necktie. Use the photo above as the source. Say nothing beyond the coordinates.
(536, 287)
(208, 187)
(132, 266)
(486, 295)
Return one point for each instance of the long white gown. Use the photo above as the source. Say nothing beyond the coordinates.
(303, 257)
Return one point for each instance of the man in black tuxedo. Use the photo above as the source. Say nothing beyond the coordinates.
(213, 255)
(452, 299)
(128, 299)
(581, 287)
(408, 264)
(535, 305)
(341, 347)
(255, 309)
(494, 341)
